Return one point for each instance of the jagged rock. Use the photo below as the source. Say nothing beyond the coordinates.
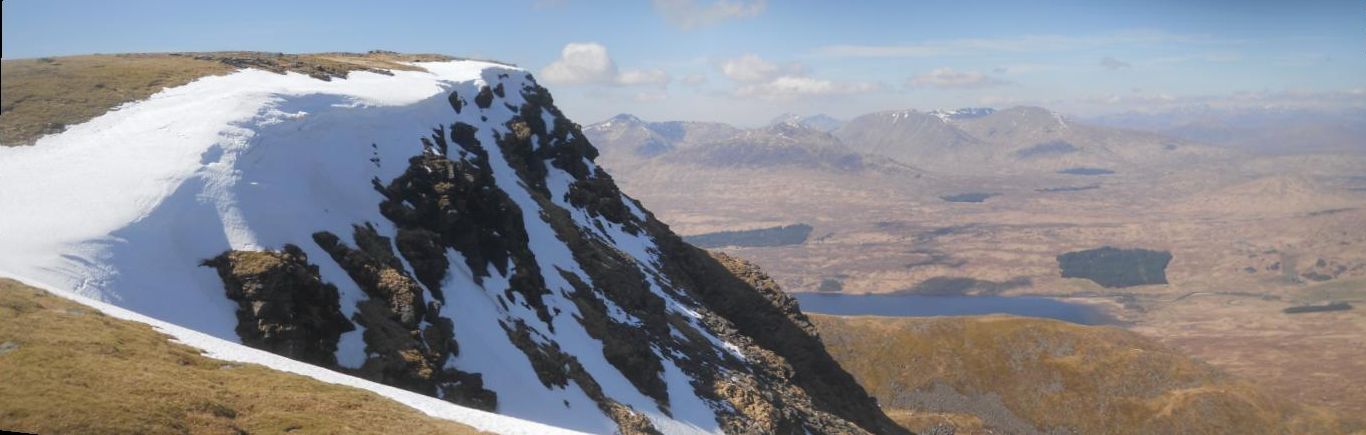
(768, 288)
(400, 351)
(459, 200)
(621, 343)
(393, 355)
(556, 368)
(283, 306)
(456, 102)
(424, 251)
(485, 98)
(599, 195)
(377, 271)
(786, 341)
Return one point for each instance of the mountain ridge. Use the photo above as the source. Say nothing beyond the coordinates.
(468, 236)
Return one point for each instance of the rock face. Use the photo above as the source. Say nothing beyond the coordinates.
(1113, 267)
(282, 304)
(502, 241)
(284, 307)
(406, 343)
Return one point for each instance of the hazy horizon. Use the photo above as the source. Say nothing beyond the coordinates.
(745, 62)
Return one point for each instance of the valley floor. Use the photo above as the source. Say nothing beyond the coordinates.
(1248, 239)
(1006, 374)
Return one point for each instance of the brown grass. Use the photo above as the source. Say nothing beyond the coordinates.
(75, 370)
(1051, 375)
(45, 95)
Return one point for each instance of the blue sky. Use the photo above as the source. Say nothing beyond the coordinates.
(747, 61)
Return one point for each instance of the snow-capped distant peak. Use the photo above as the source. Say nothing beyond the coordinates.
(1058, 117)
(963, 113)
(819, 121)
(624, 119)
(788, 117)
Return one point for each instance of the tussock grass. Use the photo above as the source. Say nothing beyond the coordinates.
(42, 96)
(71, 369)
(1051, 375)
(45, 95)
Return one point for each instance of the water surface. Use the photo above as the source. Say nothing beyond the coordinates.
(903, 305)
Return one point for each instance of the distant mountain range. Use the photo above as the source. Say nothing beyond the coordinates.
(971, 140)
(627, 141)
(818, 121)
(1259, 130)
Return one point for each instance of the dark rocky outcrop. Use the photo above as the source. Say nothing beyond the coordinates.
(283, 306)
(459, 201)
(793, 353)
(1113, 267)
(485, 98)
(373, 266)
(556, 368)
(407, 342)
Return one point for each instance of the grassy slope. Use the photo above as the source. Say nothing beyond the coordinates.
(75, 370)
(1005, 373)
(43, 96)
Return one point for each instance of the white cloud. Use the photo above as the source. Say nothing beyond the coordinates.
(589, 63)
(788, 87)
(1020, 44)
(581, 63)
(689, 14)
(765, 79)
(949, 78)
(1113, 64)
(750, 68)
(632, 77)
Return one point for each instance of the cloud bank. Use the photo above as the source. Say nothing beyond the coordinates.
(588, 63)
(949, 78)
